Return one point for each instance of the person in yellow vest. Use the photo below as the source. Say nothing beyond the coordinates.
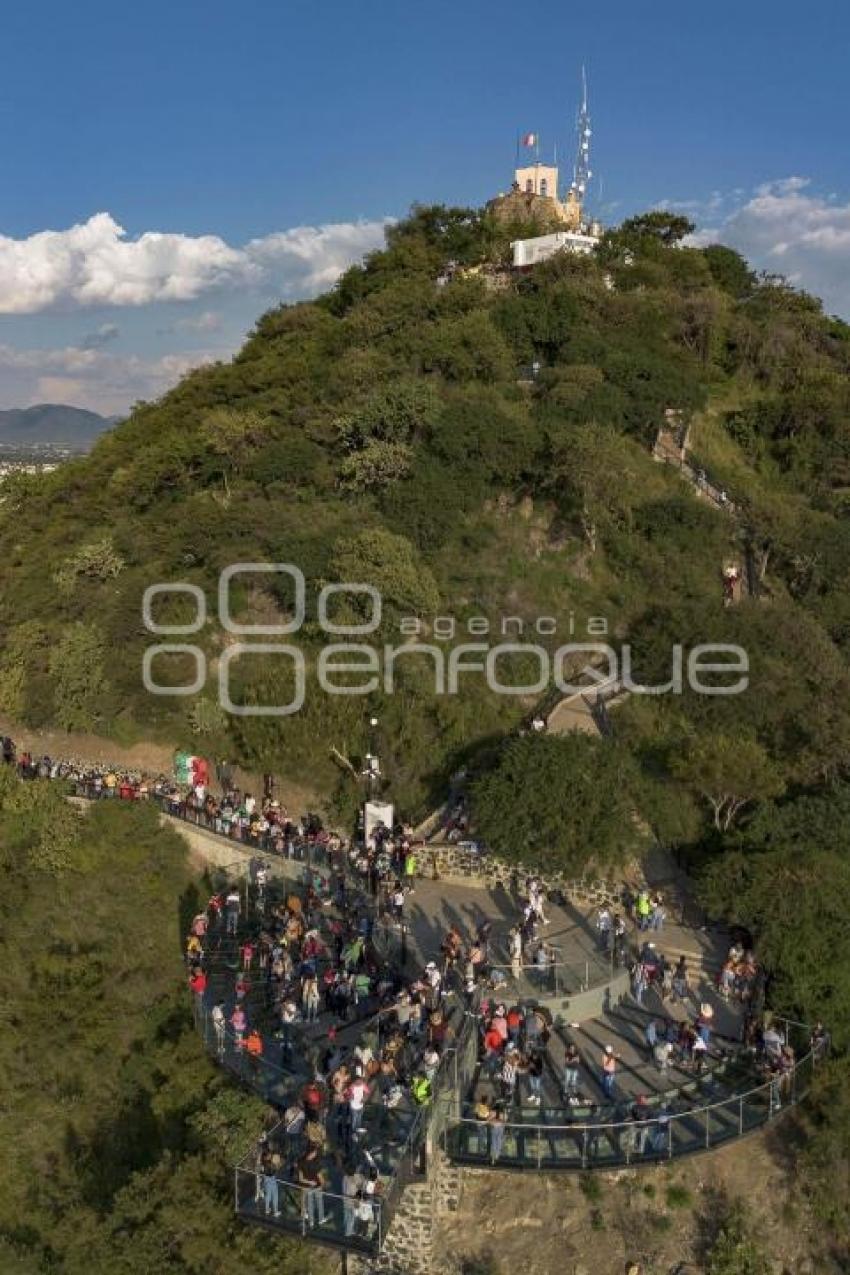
(421, 1090)
(643, 908)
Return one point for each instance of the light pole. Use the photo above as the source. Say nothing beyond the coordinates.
(373, 767)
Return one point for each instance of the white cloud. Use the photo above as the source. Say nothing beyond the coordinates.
(785, 229)
(206, 321)
(94, 263)
(97, 379)
(308, 259)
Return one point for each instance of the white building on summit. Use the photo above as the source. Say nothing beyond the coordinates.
(534, 198)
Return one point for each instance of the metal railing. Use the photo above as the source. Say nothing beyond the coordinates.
(554, 978)
(324, 1213)
(665, 1133)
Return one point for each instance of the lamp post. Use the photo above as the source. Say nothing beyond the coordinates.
(373, 767)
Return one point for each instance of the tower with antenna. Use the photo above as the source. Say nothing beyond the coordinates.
(581, 170)
(534, 197)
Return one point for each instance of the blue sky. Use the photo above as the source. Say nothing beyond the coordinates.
(268, 141)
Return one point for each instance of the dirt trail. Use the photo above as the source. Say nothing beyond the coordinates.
(145, 756)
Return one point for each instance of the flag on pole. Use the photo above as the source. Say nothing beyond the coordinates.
(529, 139)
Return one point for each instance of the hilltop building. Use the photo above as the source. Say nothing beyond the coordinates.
(534, 197)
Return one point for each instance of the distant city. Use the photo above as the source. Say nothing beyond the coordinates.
(35, 440)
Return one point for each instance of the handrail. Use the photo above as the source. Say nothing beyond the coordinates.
(664, 1117)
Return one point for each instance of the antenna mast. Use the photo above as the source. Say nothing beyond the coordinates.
(581, 171)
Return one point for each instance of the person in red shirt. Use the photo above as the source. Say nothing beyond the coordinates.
(514, 1020)
(198, 987)
(198, 981)
(493, 1044)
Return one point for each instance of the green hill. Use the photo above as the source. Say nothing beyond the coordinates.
(52, 423)
(390, 432)
(475, 445)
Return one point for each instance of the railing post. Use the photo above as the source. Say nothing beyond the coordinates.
(740, 1116)
(670, 1139)
(707, 1126)
(584, 1147)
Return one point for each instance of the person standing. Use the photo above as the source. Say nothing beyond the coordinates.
(498, 1121)
(271, 1196)
(515, 950)
(310, 998)
(534, 1071)
(352, 1186)
(572, 1061)
(232, 904)
(219, 1022)
(311, 1179)
(609, 1071)
(643, 908)
(356, 1094)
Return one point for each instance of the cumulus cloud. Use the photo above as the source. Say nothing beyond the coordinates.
(94, 378)
(206, 321)
(785, 228)
(95, 263)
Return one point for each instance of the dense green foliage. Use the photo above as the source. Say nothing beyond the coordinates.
(117, 1133)
(389, 433)
(385, 433)
(561, 802)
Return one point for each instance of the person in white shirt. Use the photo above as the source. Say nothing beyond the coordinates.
(357, 1093)
(232, 905)
(220, 1027)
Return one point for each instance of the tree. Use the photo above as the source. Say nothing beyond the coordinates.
(598, 468)
(666, 227)
(734, 1249)
(729, 270)
(77, 673)
(98, 559)
(558, 803)
(796, 904)
(730, 774)
(824, 1162)
(376, 465)
(390, 564)
(231, 436)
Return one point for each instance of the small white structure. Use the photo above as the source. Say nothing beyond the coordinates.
(529, 252)
(375, 813)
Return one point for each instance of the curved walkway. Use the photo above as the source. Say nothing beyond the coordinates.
(678, 1113)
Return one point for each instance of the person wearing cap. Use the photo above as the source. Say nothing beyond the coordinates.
(609, 1071)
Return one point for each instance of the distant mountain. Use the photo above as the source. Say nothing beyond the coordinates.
(52, 423)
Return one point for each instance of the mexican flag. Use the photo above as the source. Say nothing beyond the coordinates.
(529, 139)
(189, 769)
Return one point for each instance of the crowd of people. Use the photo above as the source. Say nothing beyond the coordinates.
(309, 991)
(298, 985)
